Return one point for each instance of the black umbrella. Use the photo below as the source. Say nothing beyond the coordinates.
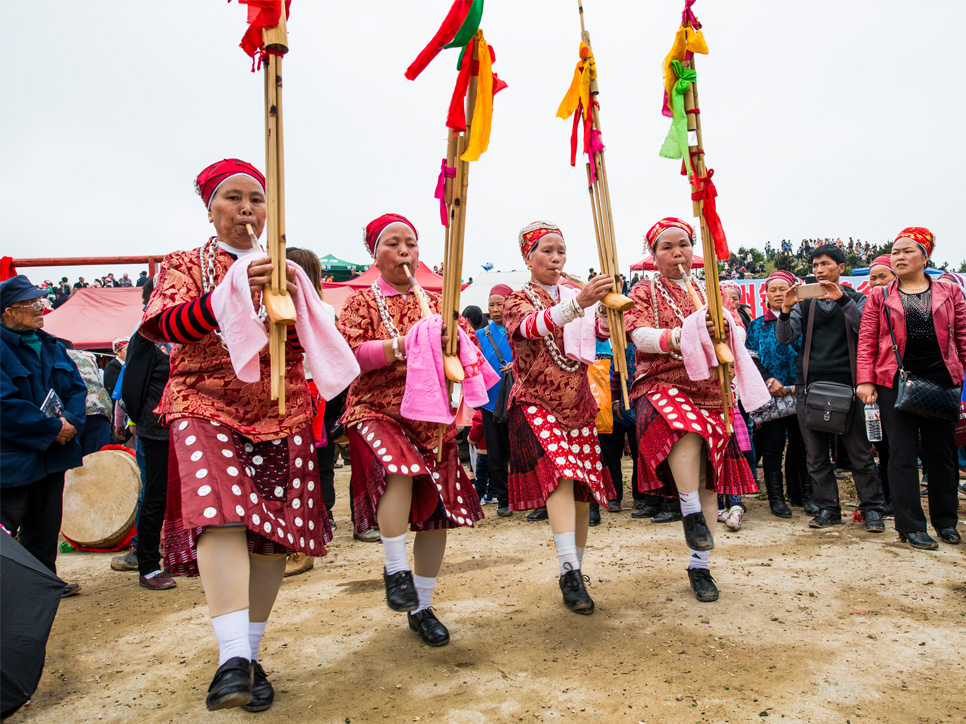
(29, 596)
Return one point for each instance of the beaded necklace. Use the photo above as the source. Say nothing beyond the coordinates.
(563, 362)
(384, 311)
(206, 256)
(657, 285)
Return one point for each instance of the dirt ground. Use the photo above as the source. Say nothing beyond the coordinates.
(812, 626)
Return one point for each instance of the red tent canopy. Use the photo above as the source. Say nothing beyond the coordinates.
(647, 263)
(93, 318)
(337, 292)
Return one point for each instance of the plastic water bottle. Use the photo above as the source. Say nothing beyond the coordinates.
(873, 423)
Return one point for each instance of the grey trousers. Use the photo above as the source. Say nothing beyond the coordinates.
(825, 489)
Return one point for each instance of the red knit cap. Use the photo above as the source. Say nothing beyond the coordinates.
(882, 260)
(375, 228)
(781, 276)
(668, 222)
(216, 174)
(921, 235)
(501, 290)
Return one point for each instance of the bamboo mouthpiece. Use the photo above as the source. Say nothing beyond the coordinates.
(252, 238)
(612, 300)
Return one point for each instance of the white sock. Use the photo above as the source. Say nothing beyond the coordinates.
(231, 630)
(255, 633)
(580, 557)
(699, 559)
(566, 552)
(690, 503)
(424, 589)
(395, 549)
(152, 574)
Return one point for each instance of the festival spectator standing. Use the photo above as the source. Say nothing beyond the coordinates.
(113, 369)
(36, 448)
(777, 364)
(125, 281)
(837, 316)
(496, 350)
(880, 275)
(142, 279)
(477, 442)
(100, 408)
(80, 284)
(928, 335)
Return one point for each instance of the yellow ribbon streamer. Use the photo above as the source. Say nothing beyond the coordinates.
(483, 109)
(686, 39)
(579, 91)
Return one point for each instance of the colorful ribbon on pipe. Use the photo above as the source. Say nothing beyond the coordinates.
(262, 14)
(676, 143)
(577, 102)
(458, 28)
(687, 40)
(445, 172)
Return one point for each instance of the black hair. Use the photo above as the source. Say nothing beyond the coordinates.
(146, 290)
(829, 250)
(474, 315)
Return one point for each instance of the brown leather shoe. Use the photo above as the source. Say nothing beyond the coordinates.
(160, 582)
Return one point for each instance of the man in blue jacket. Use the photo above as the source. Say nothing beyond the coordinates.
(35, 448)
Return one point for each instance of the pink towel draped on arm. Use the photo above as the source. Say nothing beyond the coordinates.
(580, 335)
(699, 357)
(333, 364)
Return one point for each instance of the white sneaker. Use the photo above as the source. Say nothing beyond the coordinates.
(734, 517)
(723, 515)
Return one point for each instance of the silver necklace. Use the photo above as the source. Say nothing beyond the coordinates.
(384, 311)
(564, 363)
(674, 307)
(207, 258)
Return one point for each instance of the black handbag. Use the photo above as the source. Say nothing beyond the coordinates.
(921, 396)
(828, 405)
(501, 412)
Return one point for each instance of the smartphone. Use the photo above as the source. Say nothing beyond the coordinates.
(810, 291)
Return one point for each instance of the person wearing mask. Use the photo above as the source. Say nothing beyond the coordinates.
(38, 441)
(928, 340)
(837, 316)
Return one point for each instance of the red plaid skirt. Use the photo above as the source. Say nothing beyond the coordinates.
(542, 452)
(663, 418)
(443, 495)
(218, 477)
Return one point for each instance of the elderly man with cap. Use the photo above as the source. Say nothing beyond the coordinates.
(496, 349)
(41, 415)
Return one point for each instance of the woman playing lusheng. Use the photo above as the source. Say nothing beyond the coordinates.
(243, 490)
(396, 480)
(683, 448)
(554, 451)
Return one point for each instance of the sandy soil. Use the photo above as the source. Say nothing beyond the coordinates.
(812, 626)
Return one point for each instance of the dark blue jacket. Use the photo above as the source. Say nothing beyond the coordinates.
(27, 448)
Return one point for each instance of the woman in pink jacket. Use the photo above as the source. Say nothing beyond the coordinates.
(929, 320)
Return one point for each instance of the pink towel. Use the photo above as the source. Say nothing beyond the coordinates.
(580, 336)
(425, 397)
(331, 360)
(699, 357)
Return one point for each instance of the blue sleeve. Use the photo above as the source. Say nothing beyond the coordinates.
(22, 421)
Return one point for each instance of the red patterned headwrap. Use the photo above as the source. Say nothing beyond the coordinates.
(533, 232)
(378, 225)
(668, 222)
(216, 174)
(781, 276)
(882, 260)
(501, 290)
(921, 236)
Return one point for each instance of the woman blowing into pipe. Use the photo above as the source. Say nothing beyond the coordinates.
(554, 452)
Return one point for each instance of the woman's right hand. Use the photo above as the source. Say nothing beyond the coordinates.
(776, 388)
(595, 290)
(866, 393)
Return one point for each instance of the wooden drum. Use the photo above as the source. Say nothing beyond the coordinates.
(101, 499)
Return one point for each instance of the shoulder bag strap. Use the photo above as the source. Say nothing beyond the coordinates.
(808, 341)
(892, 333)
(495, 347)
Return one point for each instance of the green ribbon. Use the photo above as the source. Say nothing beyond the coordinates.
(676, 143)
(467, 30)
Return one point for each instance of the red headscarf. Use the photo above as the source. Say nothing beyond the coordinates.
(216, 174)
(882, 260)
(378, 225)
(920, 235)
(668, 222)
(500, 290)
(532, 233)
(781, 276)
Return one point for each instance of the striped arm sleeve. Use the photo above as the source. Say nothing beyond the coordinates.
(188, 322)
(292, 339)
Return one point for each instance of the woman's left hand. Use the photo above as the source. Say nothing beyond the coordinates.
(260, 275)
(710, 324)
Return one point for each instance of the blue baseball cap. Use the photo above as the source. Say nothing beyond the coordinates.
(17, 289)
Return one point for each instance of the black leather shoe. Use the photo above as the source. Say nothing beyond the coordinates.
(400, 592)
(666, 516)
(232, 685)
(825, 519)
(646, 511)
(504, 511)
(919, 540)
(263, 693)
(430, 629)
(538, 514)
(575, 594)
(696, 532)
(873, 521)
(613, 506)
(703, 585)
(811, 508)
(594, 515)
(949, 535)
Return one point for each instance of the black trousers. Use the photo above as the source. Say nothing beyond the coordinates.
(825, 488)
(882, 447)
(326, 455)
(771, 439)
(939, 448)
(155, 498)
(612, 453)
(497, 437)
(34, 513)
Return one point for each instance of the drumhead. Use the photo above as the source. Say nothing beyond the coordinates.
(101, 499)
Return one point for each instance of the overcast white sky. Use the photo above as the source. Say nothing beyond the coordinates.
(825, 118)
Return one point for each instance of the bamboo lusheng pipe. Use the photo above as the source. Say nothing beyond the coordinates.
(611, 300)
(724, 370)
(424, 309)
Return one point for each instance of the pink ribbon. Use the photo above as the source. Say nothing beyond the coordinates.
(445, 172)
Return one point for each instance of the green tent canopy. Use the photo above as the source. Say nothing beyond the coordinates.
(339, 269)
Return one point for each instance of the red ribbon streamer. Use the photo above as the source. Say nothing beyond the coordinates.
(262, 14)
(706, 193)
(592, 139)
